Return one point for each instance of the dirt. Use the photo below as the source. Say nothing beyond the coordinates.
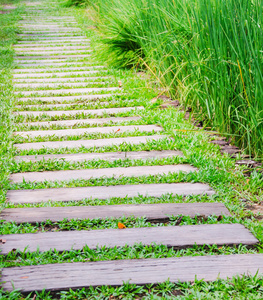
(257, 210)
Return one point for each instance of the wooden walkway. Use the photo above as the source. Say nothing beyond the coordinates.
(137, 271)
(172, 236)
(55, 80)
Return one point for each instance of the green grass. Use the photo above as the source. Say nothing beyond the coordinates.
(8, 31)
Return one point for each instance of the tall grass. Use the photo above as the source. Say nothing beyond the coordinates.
(207, 53)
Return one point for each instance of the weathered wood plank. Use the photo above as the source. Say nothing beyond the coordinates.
(58, 84)
(47, 49)
(109, 156)
(51, 34)
(44, 106)
(81, 122)
(90, 143)
(66, 98)
(48, 59)
(50, 71)
(50, 53)
(87, 174)
(57, 38)
(97, 112)
(63, 79)
(106, 192)
(47, 41)
(67, 91)
(54, 277)
(153, 212)
(91, 130)
(30, 30)
(54, 65)
(172, 236)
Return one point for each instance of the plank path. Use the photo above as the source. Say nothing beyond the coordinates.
(55, 70)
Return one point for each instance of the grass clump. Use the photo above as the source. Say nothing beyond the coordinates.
(8, 31)
(207, 54)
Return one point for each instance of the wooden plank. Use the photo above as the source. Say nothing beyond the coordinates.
(67, 91)
(24, 44)
(172, 236)
(81, 122)
(66, 98)
(27, 59)
(58, 84)
(47, 49)
(87, 174)
(97, 112)
(47, 34)
(30, 30)
(46, 106)
(55, 64)
(106, 192)
(51, 53)
(109, 156)
(43, 59)
(55, 277)
(54, 41)
(44, 26)
(91, 130)
(52, 70)
(152, 212)
(56, 38)
(63, 79)
(134, 140)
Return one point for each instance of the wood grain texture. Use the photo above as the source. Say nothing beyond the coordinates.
(55, 39)
(54, 277)
(87, 174)
(135, 140)
(92, 130)
(46, 42)
(152, 212)
(47, 49)
(109, 156)
(43, 106)
(66, 91)
(56, 84)
(47, 59)
(81, 122)
(33, 71)
(172, 236)
(106, 192)
(63, 79)
(97, 112)
(64, 98)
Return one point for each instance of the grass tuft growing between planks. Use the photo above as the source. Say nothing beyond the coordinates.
(207, 54)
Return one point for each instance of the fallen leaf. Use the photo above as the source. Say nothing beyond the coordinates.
(121, 226)
(117, 130)
(248, 181)
(24, 277)
(120, 84)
